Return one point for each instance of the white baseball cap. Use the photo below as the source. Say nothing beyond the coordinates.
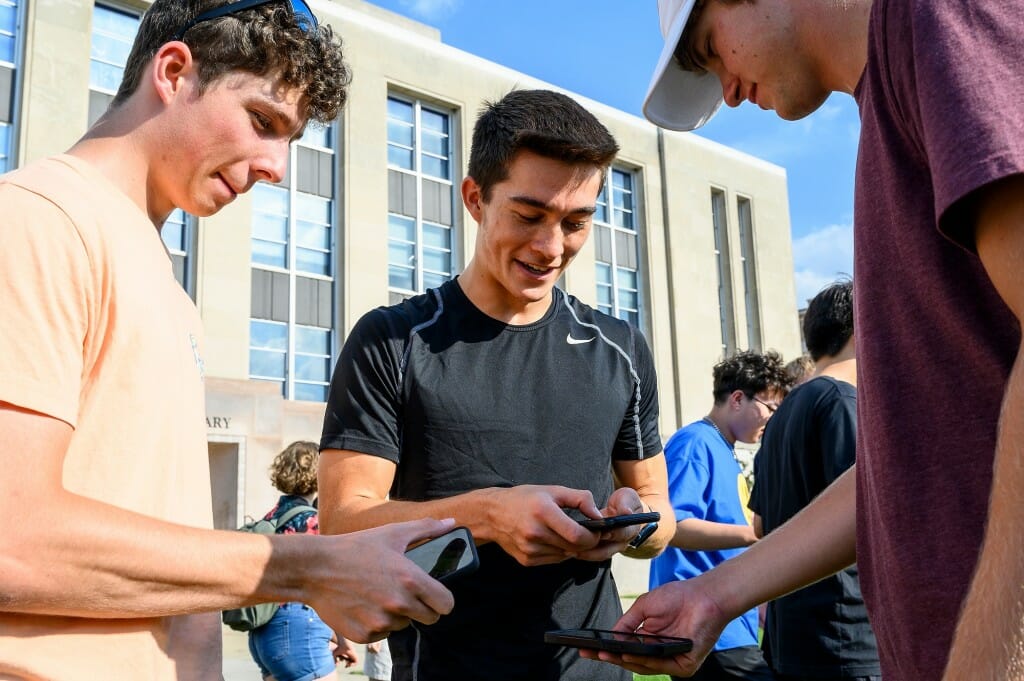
(678, 99)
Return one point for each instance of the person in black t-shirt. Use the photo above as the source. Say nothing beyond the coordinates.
(821, 631)
(501, 401)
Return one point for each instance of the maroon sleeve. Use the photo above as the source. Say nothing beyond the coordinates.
(965, 58)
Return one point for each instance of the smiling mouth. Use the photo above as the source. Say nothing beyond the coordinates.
(533, 269)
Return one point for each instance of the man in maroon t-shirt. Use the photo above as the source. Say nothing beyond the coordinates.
(939, 254)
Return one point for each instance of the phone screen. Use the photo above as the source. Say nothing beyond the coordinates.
(620, 641)
(447, 555)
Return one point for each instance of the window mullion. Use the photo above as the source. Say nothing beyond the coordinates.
(289, 366)
(417, 145)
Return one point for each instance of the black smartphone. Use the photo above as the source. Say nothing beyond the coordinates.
(649, 645)
(617, 521)
(448, 556)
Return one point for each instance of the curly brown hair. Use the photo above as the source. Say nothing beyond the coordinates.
(294, 469)
(262, 40)
(752, 372)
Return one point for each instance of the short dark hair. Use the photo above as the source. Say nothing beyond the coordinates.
(547, 123)
(828, 322)
(262, 40)
(750, 372)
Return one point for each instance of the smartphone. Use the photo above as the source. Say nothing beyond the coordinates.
(650, 645)
(448, 556)
(617, 521)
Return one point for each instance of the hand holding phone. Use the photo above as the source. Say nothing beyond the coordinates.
(650, 645)
(616, 521)
(448, 556)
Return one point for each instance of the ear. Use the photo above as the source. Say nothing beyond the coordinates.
(736, 399)
(473, 198)
(172, 65)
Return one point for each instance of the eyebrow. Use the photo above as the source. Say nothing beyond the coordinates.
(290, 124)
(535, 203)
(277, 112)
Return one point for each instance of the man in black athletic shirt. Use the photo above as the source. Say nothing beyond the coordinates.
(821, 631)
(499, 400)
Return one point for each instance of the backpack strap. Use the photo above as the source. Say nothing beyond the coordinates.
(291, 513)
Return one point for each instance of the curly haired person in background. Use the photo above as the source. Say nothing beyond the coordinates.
(296, 644)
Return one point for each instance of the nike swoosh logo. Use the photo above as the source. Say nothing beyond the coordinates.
(577, 341)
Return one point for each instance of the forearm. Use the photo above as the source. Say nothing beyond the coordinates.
(352, 512)
(817, 542)
(989, 640)
(694, 534)
(96, 560)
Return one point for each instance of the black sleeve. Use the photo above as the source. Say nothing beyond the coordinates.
(837, 432)
(364, 401)
(756, 502)
(639, 437)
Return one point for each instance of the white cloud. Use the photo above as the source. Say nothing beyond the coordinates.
(820, 257)
(430, 9)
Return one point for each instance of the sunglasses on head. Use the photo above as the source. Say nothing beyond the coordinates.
(303, 14)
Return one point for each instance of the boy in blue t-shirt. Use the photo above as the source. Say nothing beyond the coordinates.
(709, 496)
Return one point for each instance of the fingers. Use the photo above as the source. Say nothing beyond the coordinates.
(433, 599)
(345, 652)
(641, 665)
(534, 528)
(414, 531)
(375, 589)
(622, 501)
(632, 618)
(572, 537)
(580, 499)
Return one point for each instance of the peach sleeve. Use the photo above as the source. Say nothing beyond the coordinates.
(48, 283)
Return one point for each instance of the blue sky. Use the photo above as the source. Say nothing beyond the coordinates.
(606, 49)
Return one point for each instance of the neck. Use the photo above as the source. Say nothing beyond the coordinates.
(717, 419)
(491, 298)
(842, 367)
(843, 370)
(838, 30)
(116, 146)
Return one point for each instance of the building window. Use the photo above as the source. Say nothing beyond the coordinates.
(113, 31)
(292, 316)
(618, 247)
(750, 288)
(721, 228)
(10, 58)
(178, 233)
(421, 196)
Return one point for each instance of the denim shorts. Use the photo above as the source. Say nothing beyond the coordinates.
(293, 646)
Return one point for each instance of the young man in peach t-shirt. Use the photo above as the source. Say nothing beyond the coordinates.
(108, 568)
